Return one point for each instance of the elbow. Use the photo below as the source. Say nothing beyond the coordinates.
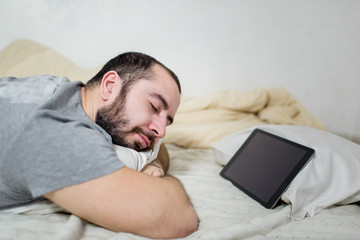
(181, 229)
(175, 213)
(165, 227)
(165, 223)
(176, 224)
(190, 225)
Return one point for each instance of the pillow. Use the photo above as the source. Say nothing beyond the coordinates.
(134, 159)
(330, 178)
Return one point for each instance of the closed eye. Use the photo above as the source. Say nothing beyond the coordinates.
(154, 108)
(163, 104)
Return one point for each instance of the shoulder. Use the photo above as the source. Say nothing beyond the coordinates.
(34, 89)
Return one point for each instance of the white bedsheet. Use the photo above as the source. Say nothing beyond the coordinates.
(224, 212)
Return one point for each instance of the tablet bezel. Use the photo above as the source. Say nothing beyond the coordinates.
(309, 152)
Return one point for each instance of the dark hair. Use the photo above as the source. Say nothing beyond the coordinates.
(131, 66)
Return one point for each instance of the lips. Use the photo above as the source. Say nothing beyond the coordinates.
(145, 142)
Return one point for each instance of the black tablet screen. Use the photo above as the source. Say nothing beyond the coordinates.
(265, 165)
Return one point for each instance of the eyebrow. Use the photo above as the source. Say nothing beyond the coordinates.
(164, 103)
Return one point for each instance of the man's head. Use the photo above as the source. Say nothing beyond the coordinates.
(139, 99)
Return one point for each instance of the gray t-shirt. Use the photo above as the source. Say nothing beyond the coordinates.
(47, 141)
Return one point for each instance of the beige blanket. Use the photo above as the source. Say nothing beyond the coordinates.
(23, 58)
(202, 121)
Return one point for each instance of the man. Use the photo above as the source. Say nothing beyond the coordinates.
(57, 143)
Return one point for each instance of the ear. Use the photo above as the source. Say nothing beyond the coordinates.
(109, 85)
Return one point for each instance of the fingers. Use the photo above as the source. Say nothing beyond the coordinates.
(153, 171)
(156, 173)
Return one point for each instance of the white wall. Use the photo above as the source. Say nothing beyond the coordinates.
(310, 47)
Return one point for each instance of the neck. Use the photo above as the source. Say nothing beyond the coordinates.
(87, 102)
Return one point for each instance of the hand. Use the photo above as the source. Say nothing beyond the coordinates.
(153, 169)
(159, 166)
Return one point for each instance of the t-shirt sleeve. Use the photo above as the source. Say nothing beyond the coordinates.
(64, 153)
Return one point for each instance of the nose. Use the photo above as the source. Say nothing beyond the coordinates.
(158, 125)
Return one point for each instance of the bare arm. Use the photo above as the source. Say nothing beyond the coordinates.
(160, 165)
(163, 158)
(129, 201)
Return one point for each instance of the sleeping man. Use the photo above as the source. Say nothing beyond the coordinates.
(57, 143)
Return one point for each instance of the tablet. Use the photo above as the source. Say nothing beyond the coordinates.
(265, 165)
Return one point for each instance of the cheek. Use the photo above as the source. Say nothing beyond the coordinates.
(138, 114)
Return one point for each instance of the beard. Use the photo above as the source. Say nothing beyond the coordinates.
(114, 121)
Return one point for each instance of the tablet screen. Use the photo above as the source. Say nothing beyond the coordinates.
(265, 165)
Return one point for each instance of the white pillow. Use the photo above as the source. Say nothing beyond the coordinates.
(134, 159)
(332, 177)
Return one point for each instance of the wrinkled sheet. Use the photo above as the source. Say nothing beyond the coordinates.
(224, 212)
(202, 121)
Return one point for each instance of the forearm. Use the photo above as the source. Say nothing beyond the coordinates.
(160, 165)
(163, 158)
(129, 201)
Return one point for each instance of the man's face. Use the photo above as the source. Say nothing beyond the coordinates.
(140, 120)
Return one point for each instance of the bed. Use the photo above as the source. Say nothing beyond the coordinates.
(198, 145)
